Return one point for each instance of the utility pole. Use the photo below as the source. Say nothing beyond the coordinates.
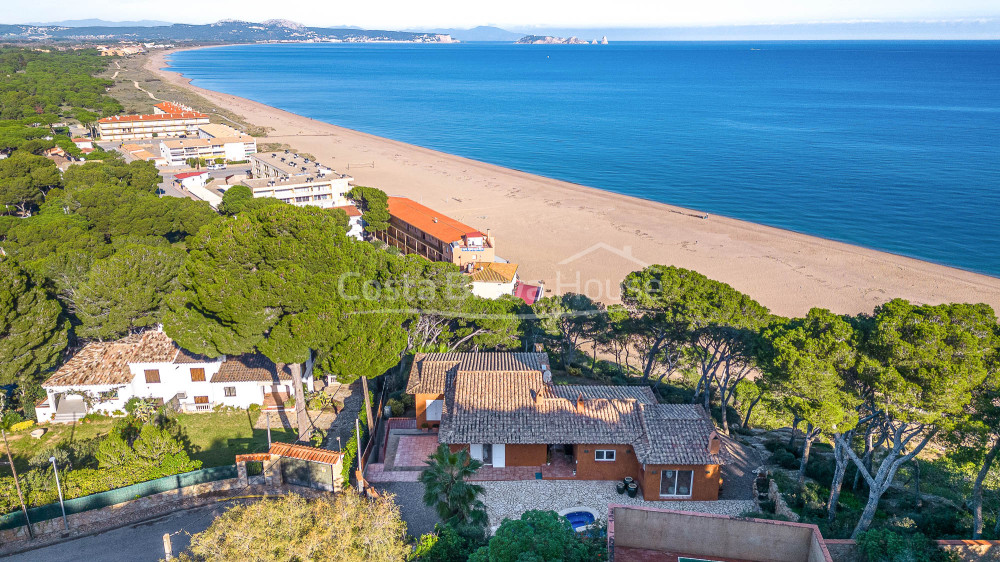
(168, 550)
(59, 489)
(267, 416)
(17, 484)
(361, 469)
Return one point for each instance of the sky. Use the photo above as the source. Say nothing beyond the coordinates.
(411, 14)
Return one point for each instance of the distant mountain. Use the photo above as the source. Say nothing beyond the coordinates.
(481, 33)
(979, 28)
(102, 23)
(227, 31)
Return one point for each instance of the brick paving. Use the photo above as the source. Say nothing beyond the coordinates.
(413, 450)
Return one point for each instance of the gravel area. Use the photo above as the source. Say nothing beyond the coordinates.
(419, 518)
(508, 500)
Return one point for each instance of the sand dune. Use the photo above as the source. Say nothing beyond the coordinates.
(581, 239)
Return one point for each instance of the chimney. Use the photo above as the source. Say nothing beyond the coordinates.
(579, 403)
(535, 396)
(539, 348)
(714, 444)
(546, 374)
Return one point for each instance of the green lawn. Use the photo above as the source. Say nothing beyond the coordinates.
(213, 438)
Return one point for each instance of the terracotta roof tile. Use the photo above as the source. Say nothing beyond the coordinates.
(427, 375)
(351, 210)
(503, 398)
(493, 272)
(249, 368)
(305, 453)
(153, 117)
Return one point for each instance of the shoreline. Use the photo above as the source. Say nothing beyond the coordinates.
(551, 227)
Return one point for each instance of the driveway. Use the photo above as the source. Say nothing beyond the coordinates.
(137, 542)
(419, 518)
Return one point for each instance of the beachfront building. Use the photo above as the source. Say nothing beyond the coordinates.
(232, 149)
(134, 127)
(303, 191)
(217, 130)
(297, 180)
(286, 164)
(103, 376)
(416, 229)
(504, 409)
(492, 280)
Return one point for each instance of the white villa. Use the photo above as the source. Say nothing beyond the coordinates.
(103, 376)
(492, 280)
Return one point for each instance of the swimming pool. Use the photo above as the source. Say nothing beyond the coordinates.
(580, 519)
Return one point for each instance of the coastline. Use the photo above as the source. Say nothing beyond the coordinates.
(583, 239)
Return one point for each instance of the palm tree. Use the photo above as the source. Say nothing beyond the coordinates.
(446, 490)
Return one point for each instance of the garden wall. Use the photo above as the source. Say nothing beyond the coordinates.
(123, 510)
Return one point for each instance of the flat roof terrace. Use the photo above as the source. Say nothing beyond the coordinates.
(291, 164)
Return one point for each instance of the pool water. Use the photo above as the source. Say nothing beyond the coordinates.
(579, 519)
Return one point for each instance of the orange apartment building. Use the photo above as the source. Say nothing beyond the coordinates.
(416, 229)
(504, 409)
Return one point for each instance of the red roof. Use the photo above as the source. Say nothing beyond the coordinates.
(157, 117)
(188, 175)
(351, 210)
(171, 107)
(302, 452)
(428, 220)
(81, 139)
(528, 293)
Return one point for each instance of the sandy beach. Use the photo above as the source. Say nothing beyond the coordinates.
(581, 239)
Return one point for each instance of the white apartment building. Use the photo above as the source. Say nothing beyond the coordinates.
(134, 127)
(325, 192)
(233, 149)
(103, 376)
(297, 180)
(285, 164)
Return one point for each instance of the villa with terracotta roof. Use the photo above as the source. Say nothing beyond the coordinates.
(491, 280)
(505, 410)
(416, 229)
(103, 376)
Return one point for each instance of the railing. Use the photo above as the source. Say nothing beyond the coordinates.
(119, 495)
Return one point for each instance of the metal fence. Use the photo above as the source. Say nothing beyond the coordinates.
(118, 495)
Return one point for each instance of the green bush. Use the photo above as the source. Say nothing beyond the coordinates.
(886, 545)
(784, 459)
(409, 400)
(396, 407)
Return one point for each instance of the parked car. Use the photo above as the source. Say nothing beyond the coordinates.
(216, 167)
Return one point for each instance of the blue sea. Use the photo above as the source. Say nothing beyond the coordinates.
(889, 145)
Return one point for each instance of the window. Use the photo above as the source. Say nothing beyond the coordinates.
(152, 376)
(676, 482)
(433, 409)
(109, 395)
(201, 399)
(230, 391)
(604, 454)
(197, 375)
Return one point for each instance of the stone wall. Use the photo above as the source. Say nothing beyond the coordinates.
(118, 511)
(780, 507)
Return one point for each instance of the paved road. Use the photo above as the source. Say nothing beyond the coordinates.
(133, 543)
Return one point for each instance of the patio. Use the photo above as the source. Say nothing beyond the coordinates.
(407, 449)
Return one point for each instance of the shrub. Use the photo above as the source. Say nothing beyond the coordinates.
(409, 400)
(253, 409)
(317, 437)
(785, 460)
(885, 545)
(22, 425)
(396, 407)
(350, 450)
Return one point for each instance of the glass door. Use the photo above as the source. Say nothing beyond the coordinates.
(488, 454)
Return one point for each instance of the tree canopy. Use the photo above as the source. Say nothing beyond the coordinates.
(343, 527)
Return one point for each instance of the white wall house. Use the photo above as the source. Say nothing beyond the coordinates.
(103, 376)
(189, 180)
(492, 280)
(355, 226)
